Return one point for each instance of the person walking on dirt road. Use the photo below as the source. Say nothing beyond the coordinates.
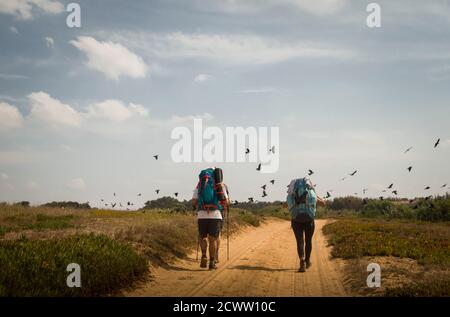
(209, 199)
(302, 201)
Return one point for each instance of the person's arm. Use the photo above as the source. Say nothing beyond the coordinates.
(321, 201)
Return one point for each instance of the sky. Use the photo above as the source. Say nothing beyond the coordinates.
(83, 110)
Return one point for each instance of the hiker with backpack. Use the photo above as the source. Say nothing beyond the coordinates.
(210, 198)
(301, 201)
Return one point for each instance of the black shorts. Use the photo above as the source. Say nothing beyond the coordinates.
(209, 227)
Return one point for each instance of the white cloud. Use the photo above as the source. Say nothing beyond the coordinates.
(10, 117)
(178, 120)
(228, 48)
(49, 42)
(202, 78)
(51, 110)
(77, 184)
(111, 59)
(314, 7)
(4, 176)
(23, 9)
(116, 110)
(14, 30)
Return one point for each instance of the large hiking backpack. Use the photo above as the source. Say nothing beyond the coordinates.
(302, 201)
(207, 196)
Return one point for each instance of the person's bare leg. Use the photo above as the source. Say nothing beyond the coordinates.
(203, 247)
(212, 251)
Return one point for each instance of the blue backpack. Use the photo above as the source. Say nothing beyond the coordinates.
(302, 201)
(207, 196)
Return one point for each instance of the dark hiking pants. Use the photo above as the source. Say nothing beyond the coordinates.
(303, 234)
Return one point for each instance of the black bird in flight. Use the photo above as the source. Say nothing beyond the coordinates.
(272, 149)
(310, 172)
(328, 195)
(426, 188)
(128, 203)
(263, 187)
(409, 168)
(390, 186)
(106, 205)
(113, 205)
(250, 199)
(156, 156)
(381, 198)
(247, 151)
(394, 192)
(176, 194)
(101, 199)
(264, 193)
(114, 194)
(408, 149)
(272, 181)
(259, 167)
(352, 174)
(139, 194)
(157, 191)
(120, 204)
(445, 185)
(236, 202)
(437, 143)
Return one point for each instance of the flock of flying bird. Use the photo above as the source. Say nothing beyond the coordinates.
(310, 172)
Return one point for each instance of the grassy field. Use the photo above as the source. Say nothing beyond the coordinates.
(428, 244)
(113, 248)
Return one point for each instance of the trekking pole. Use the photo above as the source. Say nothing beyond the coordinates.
(198, 243)
(228, 235)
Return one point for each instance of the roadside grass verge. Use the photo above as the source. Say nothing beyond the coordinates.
(38, 267)
(426, 243)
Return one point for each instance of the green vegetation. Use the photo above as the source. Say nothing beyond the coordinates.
(168, 203)
(432, 209)
(38, 267)
(427, 243)
(67, 204)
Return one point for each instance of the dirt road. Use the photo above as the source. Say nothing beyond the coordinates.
(263, 262)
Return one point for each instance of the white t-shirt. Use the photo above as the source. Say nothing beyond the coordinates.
(212, 214)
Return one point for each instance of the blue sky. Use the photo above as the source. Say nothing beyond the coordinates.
(83, 110)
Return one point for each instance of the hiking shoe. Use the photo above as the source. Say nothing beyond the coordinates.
(212, 265)
(308, 263)
(302, 266)
(203, 262)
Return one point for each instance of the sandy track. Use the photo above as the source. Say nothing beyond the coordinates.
(263, 262)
